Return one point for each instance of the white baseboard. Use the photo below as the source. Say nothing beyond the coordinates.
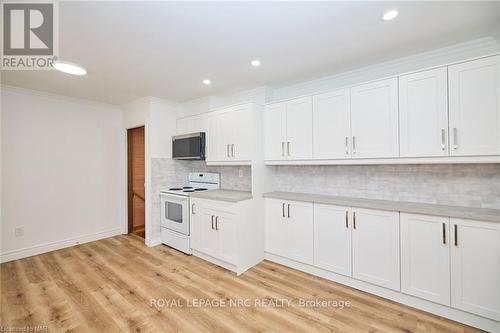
(418, 303)
(153, 242)
(47, 247)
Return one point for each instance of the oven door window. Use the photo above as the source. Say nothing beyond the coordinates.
(173, 212)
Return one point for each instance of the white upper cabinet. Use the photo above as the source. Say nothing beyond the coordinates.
(474, 94)
(332, 125)
(275, 131)
(299, 128)
(425, 257)
(230, 134)
(193, 124)
(423, 114)
(375, 247)
(332, 238)
(374, 119)
(475, 267)
(288, 130)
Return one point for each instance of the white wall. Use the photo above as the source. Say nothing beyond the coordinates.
(159, 118)
(62, 167)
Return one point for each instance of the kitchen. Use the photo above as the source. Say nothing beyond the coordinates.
(361, 198)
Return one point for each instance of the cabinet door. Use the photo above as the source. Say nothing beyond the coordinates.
(475, 267)
(276, 227)
(241, 143)
(332, 125)
(374, 119)
(226, 232)
(208, 238)
(423, 113)
(299, 129)
(211, 145)
(332, 238)
(275, 131)
(425, 257)
(475, 107)
(224, 135)
(375, 240)
(300, 232)
(196, 218)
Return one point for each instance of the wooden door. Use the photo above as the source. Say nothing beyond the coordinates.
(425, 257)
(474, 89)
(332, 238)
(332, 125)
(136, 180)
(374, 119)
(423, 113)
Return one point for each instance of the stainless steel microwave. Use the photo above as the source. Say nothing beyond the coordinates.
(189, 146)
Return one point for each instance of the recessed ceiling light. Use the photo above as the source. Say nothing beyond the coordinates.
(69, 68)
(206, 82)
(389, 15)
(255, 63)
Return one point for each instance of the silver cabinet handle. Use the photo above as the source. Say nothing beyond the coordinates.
(347, 219)
(192, 208)
(282, 148)
(232, 149)
(444, 233)
(212, 222)
(443, 139)
(216, 223)
(227, 150)
(288, 148)
(347, 145)
(354, 220)
(353, 144)
(283, 209)
(455, 138)
(288, 210)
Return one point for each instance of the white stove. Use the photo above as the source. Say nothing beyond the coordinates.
(175, 207)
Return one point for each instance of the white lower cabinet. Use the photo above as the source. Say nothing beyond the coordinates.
(448, 261)
(289, 229)
(332, 238)
(425, 257)
(226, 234)
(216, 237)
(475, 267)
(375, 247)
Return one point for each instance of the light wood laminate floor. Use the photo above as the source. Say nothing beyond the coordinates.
(108, 285)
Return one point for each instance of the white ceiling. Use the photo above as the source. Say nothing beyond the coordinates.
(165, 49)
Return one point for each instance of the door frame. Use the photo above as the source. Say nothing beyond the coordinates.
(147, 172)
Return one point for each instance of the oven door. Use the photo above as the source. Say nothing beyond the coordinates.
(175, 213)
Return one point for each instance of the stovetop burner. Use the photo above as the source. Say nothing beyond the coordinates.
(175, 189)
(188, 190)
(201, 189)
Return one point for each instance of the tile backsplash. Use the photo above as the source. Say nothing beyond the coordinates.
(471, 185)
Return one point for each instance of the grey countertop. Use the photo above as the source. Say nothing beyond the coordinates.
(480, 214)
(223, 195)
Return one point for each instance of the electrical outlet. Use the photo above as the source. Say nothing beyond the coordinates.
(19, 231)
(240, 173)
